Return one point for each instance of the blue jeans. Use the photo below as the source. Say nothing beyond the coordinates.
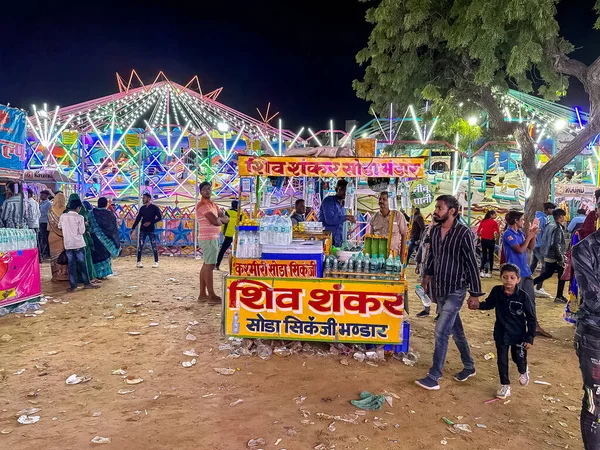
(449, 323)
(76, 258)
(143, 237)
(587, 346)
(412, 245)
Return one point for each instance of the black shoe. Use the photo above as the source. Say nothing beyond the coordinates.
(424, 313)
(561, 299)
(464, 375)
(436, 318)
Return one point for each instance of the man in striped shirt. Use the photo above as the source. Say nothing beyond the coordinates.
(452, 270)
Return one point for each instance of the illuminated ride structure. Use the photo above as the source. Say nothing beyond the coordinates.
(162, 138)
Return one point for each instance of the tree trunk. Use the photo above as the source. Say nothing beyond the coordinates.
(540, 192)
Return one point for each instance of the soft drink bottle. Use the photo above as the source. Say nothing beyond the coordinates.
(423, 296)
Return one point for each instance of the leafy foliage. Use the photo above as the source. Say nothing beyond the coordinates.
(452, 52)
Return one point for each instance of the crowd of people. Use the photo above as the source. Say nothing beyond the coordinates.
(446, 263)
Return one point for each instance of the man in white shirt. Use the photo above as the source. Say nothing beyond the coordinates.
(73, 228)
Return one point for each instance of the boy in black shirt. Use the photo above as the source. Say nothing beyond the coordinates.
(514, 327)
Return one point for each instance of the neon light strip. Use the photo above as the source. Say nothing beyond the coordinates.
(348, 136)
(265, 139)
(315, 137)
(430, 131)
(414, 116)
(378, 123)
(297, 136)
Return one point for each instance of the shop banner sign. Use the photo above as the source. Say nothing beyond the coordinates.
(19, 276)
(410, 168)
(351, 311)
(274, 268)
(12, 138)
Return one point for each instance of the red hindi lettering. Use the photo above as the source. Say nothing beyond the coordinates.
(325, 302)
(253, 295)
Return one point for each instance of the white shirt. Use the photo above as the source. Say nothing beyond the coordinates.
(73, 227)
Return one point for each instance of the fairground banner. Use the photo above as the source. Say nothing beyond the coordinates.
(323, 167)
(19, 276)
(12, 138)
(349, 311)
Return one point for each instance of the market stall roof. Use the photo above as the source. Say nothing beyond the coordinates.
(41, 175)
(283, 166)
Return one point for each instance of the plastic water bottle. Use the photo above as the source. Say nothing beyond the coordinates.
(351, 264)
(389, 267)
(423, 296)
(263, 230)
(365, 263)
(373, 264)
(327, 266)
(397, 267)
(381, 264)
(271, 231)
(241, 250)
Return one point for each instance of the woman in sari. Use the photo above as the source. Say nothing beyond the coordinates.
(87, 237)
(105, 234)
(60, 272)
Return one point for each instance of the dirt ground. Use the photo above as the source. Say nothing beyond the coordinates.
(190, 408)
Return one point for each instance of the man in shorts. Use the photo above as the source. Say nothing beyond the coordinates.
(210, 220)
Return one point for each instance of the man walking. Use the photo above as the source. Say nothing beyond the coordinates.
(586, 263)
(542, 217)
(553, 250)
(72, 225)
(452, 270)
(416, 231)
(149, 215)
(45, 205)
(228, 232)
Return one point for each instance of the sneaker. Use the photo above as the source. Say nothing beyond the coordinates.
(524, 378)
(561, 299)
(465, 374)
(155, 265)
(436, 318)
(542, 293)
(482, 274)
(424, 313)
(488, 275)
(503, 391)
(428, 383)
(140, 265)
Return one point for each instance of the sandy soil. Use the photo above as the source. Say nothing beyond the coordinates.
(189, 408)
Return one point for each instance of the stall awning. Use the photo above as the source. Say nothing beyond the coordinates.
(41, 175)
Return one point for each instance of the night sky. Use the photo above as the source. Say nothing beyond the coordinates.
(300, 56)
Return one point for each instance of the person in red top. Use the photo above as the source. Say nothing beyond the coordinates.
(210, 220)
(488, 231)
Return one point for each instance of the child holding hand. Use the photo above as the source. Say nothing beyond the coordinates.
(515, 325)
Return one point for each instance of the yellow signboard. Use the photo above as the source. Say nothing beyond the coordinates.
(274, 268)
(352, 311)
(327, 167)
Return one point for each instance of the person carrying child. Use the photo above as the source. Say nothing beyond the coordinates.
(515, 325)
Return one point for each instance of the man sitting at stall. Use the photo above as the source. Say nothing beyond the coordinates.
(299, 212)
(384, 219)
(333, 214)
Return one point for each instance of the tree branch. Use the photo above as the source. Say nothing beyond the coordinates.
(528, 148)
(565, 65)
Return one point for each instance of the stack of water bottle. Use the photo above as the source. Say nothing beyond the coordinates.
(16, 239)
(248, 243)
(276, 230)
(364, 266)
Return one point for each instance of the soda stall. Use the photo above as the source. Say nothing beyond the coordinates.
(290, 283)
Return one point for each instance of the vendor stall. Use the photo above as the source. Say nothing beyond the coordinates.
(292, 285)
(19, 260)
